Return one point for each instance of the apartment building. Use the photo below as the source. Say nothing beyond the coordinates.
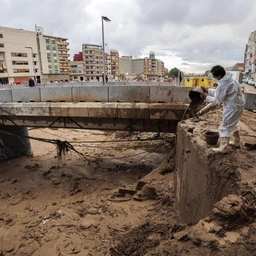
(76, 71)
(92, 61)
(19, 59)
(54, 57)
(250, 56)
(114, 57)
(25, 54)
(142, 68)
(108, 66)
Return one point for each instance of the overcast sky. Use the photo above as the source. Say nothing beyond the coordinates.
(192, 35)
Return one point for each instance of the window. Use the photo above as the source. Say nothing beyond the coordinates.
(1, 35)
(19, 62)
(2, 45)
(18, 54)
(21, 71)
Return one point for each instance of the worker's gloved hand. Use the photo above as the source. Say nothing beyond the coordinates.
(203, 96)
(204, 89)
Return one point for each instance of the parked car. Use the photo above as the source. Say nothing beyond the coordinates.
(250, 81)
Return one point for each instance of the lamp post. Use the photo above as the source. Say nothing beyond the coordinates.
(33, 62)
(103, 46)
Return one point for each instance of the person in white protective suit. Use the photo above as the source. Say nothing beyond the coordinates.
(229, 93)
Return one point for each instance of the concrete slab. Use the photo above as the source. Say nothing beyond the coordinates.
(56, 94)
(250, 101)
(26, 94)
(169, 94)
(129, 93)
(90, 93)
(5, 95)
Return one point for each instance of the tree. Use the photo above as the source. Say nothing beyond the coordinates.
(174, 72)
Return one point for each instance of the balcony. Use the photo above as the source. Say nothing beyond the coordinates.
(2, 75)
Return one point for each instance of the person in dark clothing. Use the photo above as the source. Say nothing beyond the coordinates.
(31, 82)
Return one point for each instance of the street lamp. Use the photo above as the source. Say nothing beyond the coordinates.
(33, 62)
(103, 45)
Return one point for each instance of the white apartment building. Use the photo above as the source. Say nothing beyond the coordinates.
(250, 56)
(25, 54)
(18, 56)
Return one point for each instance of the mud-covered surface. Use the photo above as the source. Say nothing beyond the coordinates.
(99, 205)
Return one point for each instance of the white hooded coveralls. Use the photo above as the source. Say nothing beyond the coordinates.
(229, 92)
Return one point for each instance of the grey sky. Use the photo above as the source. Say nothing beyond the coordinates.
(191, 35)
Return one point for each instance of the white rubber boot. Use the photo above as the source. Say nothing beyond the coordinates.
(223, 145)
(236, 137)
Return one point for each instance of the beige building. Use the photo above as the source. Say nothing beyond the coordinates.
(25, 54)
(92, 60)
(115, 72)
(93, 63)
(108, 66)
(142, 69)
(19, 58)
(76, 71)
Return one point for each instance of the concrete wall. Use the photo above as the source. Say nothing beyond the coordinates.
(113, 92)
(201, 177)
(75, 92)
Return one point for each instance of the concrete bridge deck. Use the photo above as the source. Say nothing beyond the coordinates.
(92, 115)
(125, 107)
(138, 106)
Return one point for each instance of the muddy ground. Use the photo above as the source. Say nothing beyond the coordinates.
(92, 201)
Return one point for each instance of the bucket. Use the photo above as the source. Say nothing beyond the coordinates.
(211, 137)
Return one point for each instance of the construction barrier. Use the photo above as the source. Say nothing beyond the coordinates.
(205, 81)
(190, 82)
(200, 81)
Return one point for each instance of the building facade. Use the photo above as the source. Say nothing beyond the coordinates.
(92, 61)
(76, 71)
(114, 58)
(146, 69)
(250, 56)
(54, 57)
(18, 61)
(44, 58)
